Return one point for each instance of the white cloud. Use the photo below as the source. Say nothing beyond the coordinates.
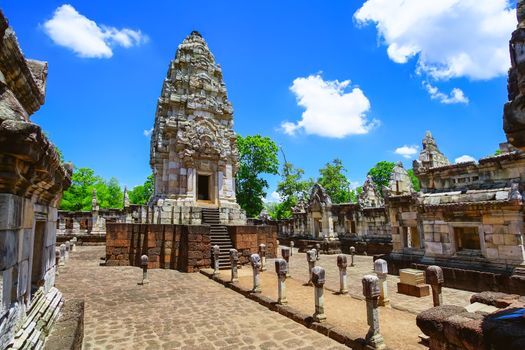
(148, 133)
(450, 38)
(273, 197)
(85, 37)
(406, 151)
(329, 110)
(455, 96)
(465, 159)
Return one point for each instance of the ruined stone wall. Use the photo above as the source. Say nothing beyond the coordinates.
(31, 183)
(246, 240)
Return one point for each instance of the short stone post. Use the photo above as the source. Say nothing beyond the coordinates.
(216, 253)
(292, 244)
(234, 259)
(262, 254)
(326, 245)
(372, 292)
(343, 279)
(352, 253)
(73, 244)
(434, 277)
(62, 254)
(318, 279)
(68, 247)
(57, 260)
(310, 258)
(317, 251)
(255, 260)
(381, 269)
(144, 263)
(281, 269)
(286, 253)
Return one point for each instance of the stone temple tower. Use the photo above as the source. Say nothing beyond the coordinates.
(194, 155)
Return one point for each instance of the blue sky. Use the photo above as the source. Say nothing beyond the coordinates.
(355, 80)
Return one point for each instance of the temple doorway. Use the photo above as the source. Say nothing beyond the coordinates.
(203, 188)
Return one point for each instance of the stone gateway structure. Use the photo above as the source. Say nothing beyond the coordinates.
(194, 155)
(31, 183)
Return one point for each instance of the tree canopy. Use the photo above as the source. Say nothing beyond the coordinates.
(257, 156)
(334, 181)
(79, 195)
(380, 173)
(291, 189)
(141, 194)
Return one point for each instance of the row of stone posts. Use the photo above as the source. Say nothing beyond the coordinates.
(63, 251)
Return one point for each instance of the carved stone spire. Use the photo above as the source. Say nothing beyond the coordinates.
(370, 196)
(430, 156)
(400, 182)
(126, 197)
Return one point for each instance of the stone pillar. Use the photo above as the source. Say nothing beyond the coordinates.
(310, 258)
(318, 279)
(352, 253)
(281, 269)
(144, 264)
(57, 260)
(255, 260)
(216, 250)
(73, 244)
(292, 244)
(262, 254)
(286, 253)
(381, 269)
(76, 225)
(234, 259)
(62, 254)
(68, 248)
(343, 279)
(317, 251)
(326, 245)
(434, 277)
(372, 292)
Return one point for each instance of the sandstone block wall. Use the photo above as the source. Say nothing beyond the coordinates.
(246, 240)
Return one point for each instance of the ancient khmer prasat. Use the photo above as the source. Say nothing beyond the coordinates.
(297, 175)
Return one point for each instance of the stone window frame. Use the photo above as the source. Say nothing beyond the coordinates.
(404, 238)
(452, 236)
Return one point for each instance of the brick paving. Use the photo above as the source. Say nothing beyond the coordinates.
(174, 311)
(363, 266)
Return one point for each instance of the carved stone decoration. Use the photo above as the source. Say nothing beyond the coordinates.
(194, 153)
(514, 110)
(400, 183)
(370, 196)
(430, 156)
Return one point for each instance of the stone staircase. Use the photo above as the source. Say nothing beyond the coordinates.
(219, 235)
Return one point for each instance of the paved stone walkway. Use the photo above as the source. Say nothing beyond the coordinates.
(175, 311)
(364, 266)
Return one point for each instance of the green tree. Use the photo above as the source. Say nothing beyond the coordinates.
(291, 188)
(335, 182)
(141, 194)
(380, 173)
(79, 195)
(415, 181)
(257, 156)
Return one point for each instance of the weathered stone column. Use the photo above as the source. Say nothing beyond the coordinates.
(292, 244)
(318, 279)
(352, 253)
(434, 277)
(262, 254)
(343, 279)
(310, 258)
(62, 254)
(381, 269)
(144, 264)
(216, 253)
(317, 251)
(73, 244)
(57, 260)
(255, 260)
(234, 259)
(286, 252)
(371, 292)
(68, 247)
(281, 269)
(76, 225)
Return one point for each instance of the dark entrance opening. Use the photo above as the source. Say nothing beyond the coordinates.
(203, 187)
(37, 270)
